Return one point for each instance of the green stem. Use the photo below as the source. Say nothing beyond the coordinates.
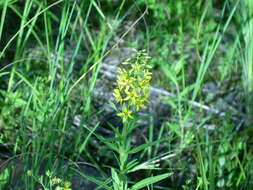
(123, 155)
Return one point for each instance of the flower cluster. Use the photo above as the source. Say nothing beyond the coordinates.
(53, 181)
(133, 84)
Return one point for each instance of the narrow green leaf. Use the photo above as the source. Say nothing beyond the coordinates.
(143, 146)
(82, 147)
(108, 142)
(22, 77)
(4, 73)
(131, 164)
(4, 177)
(116, 180)
(149, 181)
(94, 180)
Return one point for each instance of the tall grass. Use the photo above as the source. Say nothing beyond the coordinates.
(246, 52)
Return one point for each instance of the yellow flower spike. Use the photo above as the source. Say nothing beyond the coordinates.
(117, 95)
(132, 89)
(125, 114)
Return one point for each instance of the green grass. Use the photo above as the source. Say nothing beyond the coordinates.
(54, 124)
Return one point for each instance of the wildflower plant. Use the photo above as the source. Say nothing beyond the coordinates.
(133, 85)
(131, 94)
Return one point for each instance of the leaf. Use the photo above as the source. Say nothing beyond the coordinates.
(175, 128)
(130, 165)
(144, 166)
(172, 102)
(149, 181)
(222, 161)
(82, 147)
(116, 180)
(187, 90)
(143, 146)
(112, 105)
(179, 66)
(22, 77)
(94, 180)
(4, 177)
(108, 142)
(19, 103)
(111, 145)
(4, 73)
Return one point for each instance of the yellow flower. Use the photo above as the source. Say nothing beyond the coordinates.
(57, 180)
(117, 95)
(125, 81)
(125, 114)
(140, 103)
(130, 94)
(66, 186)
